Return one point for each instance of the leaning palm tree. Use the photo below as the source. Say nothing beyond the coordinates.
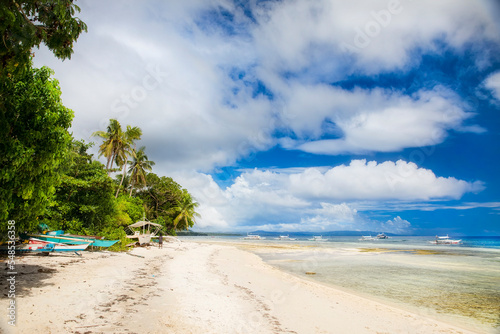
(138, 167)
(124, 149)
(185, 211)
(111, 138)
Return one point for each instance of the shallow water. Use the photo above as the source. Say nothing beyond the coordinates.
(444, 281)
(456, 284)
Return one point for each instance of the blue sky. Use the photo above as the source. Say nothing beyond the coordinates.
(304, 115)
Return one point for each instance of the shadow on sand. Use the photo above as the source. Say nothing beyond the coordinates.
(28, 276)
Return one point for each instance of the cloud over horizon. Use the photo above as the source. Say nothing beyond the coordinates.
(215, 84)
(321, 196)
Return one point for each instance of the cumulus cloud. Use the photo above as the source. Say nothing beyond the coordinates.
(190, 77)
(493, 84)
(369, 120)
(396, 225)
(374, 37)
(313, 197)
(212, 82)
(362, 180)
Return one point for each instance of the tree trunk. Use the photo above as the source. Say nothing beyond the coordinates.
(112, 161)
(123, 176)
(131, 187)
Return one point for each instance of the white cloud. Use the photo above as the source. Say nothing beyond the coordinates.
(363, 180)
(493, 84)
(191, 84)
(373, 36)
(369, 120)
(396, 225)
(328, 197)
(201, 115)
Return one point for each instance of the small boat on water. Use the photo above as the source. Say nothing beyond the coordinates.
(445, 240)
(382, 236)
(284, 237)
(253, 237)
(367, 238)
(317, 238)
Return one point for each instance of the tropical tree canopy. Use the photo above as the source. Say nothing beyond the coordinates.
(118, 146)
(84, 201)
(29, 23)
(184, 211)
(138, 167)
(124, 149)
(34, 141)
(110, 141)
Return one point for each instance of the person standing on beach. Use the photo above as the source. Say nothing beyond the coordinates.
(160, 241)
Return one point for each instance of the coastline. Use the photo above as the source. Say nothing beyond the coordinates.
(192, 287)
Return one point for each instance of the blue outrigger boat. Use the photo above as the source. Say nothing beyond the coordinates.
(45, 247)
(71, 239)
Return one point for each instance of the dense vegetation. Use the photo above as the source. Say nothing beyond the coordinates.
(46, 176)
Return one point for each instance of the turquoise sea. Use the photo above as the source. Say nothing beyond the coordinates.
(455, 283)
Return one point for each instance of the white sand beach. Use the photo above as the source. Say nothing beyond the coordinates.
(189, 287)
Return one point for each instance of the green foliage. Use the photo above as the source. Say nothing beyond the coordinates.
(34, 141)
(167, 224)
(168, 203)
(117, 146)
(29, 23)
(138, 167)
(184, 211)
(130, 210)
(84, 201)
(114, 232)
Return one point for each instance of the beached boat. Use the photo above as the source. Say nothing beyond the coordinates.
(253, 237)
(58, 232)
(71, 239)
(34, 245)
(317, 238)
(445, 240)
(284, 237)
(144, 231)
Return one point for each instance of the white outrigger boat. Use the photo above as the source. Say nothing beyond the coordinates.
(144, 231)
(284, 237)
(367, 238)
(317, 238)
(445, 241)
(253, 237)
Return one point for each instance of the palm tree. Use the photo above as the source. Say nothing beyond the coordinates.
(124, 149)
(185, 211)
(138, 168)
(108, 147)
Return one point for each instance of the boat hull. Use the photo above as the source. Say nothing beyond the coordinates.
(70, 240)
(46, 247)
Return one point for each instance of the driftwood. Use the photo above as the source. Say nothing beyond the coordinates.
(135, 255)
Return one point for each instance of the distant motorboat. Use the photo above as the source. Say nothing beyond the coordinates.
(284, 237)
(382, 236)
(317, 238)
(445, 240)
(253, 237)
